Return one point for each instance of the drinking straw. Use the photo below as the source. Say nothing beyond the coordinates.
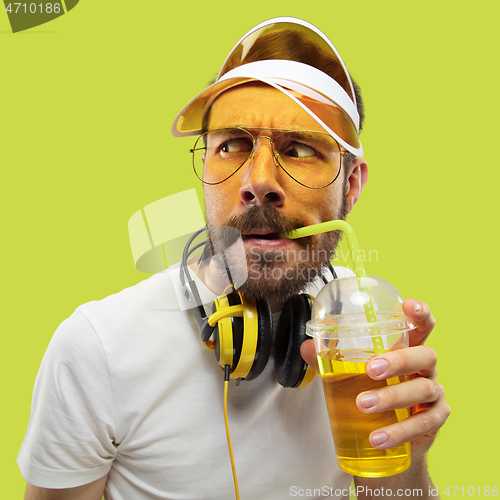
(360, 273)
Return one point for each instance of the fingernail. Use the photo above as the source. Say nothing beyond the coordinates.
(418, 306)
(379, 438)
(368, 400)
(379, 366)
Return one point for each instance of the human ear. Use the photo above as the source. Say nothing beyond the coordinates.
(357, 178)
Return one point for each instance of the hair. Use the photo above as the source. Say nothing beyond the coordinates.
(294, 45)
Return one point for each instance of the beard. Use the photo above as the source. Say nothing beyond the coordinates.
(277, 273)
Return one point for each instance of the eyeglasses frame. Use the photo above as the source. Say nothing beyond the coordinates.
(275, 155)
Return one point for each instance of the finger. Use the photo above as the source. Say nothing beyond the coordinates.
(421, 316)
(425, 423)
(404, 395)
(308, 353)
(419, 359)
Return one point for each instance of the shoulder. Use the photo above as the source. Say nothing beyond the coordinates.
(343, 272)
(154, 292)
(316, 286)
(126, 323)
(132, 308)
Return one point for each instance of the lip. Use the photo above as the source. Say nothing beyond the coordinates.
(257, 239)
(260, 233)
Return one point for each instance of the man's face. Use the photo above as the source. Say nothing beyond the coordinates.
(262, 201)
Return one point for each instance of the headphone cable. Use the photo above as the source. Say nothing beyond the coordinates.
(226, 423)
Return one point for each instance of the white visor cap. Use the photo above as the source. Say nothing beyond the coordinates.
(330, 101)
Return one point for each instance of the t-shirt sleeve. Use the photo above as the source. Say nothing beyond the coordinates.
(70, 437)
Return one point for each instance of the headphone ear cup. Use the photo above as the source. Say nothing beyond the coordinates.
(289, 366)
(228, 336)
(206, 331)
(216, 342)
(237, 330)
(264, 339)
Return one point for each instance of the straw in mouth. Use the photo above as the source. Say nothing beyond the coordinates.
(369, 309)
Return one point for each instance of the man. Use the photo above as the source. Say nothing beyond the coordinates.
(128, 402)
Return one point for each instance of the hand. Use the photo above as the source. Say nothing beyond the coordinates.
(423, 393)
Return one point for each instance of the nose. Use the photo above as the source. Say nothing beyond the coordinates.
(261, 176)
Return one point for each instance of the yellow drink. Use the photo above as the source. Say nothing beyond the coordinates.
(343, 373)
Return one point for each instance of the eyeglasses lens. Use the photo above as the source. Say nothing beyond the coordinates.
(310, 158)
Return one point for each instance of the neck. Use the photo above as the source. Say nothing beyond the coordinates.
(276, 304)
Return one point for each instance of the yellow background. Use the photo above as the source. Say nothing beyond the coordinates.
(86, 104)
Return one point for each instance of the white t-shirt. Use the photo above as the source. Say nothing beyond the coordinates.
(127, 387)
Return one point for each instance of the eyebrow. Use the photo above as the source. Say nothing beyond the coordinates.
(318, 136)
(225, 131)
(312, 135)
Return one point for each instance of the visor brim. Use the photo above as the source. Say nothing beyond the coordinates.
(329, 116)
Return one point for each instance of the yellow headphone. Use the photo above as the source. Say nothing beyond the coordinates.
(240, 331)
(241, 328)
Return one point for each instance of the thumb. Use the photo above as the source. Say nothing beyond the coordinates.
(308, 353)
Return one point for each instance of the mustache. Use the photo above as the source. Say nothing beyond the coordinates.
(256, 219)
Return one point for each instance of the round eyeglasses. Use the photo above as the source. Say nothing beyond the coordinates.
(309, 157)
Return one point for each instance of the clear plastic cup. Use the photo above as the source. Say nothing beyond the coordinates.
(353, 320)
